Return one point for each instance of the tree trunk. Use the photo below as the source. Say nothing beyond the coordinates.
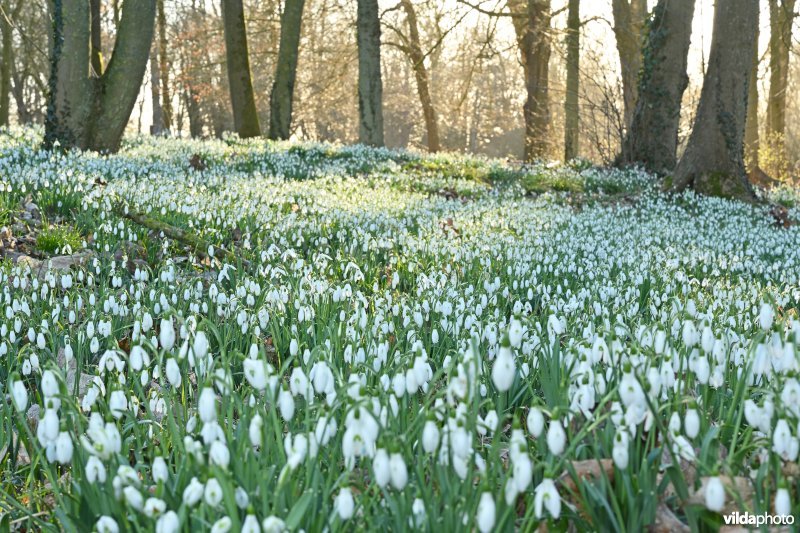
(96, 50)
(5, 72)
(714, 159)
(245, 117)
(534, 44)
(163, 65)
(629, 23)
(781, 14)
(751, 141)
(282, 95)
(370, 86)
(652, 138)
(417, 58)
(192, 99)
(155, 89)
(571, 109)
(85, 111)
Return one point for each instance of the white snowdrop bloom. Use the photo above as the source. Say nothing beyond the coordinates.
(503, 369)
(207, 405)
(160, 470)
(173, 373)
(95, 471)
(430, 436)
(136, 358)
(485, 516)
(296, 449)
(219, 454)
(241, 497)
(168, 523)
(286, 404)
(294, 348)
(166, 335)
(715, 495)
(380, 468)
(154, 507)
(344, 504)
(256, 373)
(522, 472)
(19, 396)
(273, 524)
(689, 333)
(619, 452)
(255, 430)
(766, 316)
(223, 525)
(193, 493)
(49, 384)
(783, 502)
(630, 390)
(546, 497)
(783, 442)
(322, 378)
(251, 524)
(133, 497)
(117, 403)
(556, 437)
(298, 383)
(64, 448)
(106, 524)
(47, 430)
(418, 511)
(535, 422)
(691, 423)
(682, 447)
(515, 332)
(213, 492)
(702, 370)
(399, 473)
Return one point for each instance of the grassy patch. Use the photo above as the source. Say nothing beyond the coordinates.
(56, 239)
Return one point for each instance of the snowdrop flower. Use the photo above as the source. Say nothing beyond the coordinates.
(503, 370)
(286, 404)
(783, 442)
(49, 384)
(273, 524)
(691, 423)
(117, 403)
(256, 373)
(63, 448)
(106, 524)
(515, 332)
(168, 523)
(556, 438)
(133, 497)
(344, 504)
(766, 316)
(783, 502)
(430, 436)
(19, 396)
(154, 507)
(546, 497)
(399, 473)
(223, 525)
(207, 405)
(251, 525)
(619, 452)
(485, 517)
(715, 495)
(173, 372)
(535, 422)
(418, 511)
(95, 470)
(380, 467)
(160, 471)
(213, 492)
(193, 493)
(166, 335)
(219, 455)
(255, 429)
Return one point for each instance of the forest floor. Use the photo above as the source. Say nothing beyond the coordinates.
(255, 335)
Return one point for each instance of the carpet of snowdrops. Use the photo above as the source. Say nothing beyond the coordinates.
(373, 340)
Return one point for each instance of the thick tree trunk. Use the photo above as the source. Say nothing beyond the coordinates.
(96, 45)
(370, 85)
(155, 94)
(417, 58)
(163, 65)
(781, 13)
(652, 138)
(85, 111)
(571, 109)
(629, 23)
(196, 123)
(282, 96)
(5, 71)
(714, 159)
(245, 117)
(534, 44)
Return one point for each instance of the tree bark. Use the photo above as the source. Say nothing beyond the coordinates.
(96, 50)
(155, 93)
(86, 111)
(163, 65)
(629, 23)
(5, 72)
(282, 96)
(781, 14)
(414, 50)
(534, 44)
(571, 109)
(245, 117)
(751, 137)
(713, 162)
(652, 138)
(370, 85)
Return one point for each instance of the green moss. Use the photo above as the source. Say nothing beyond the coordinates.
(541, 183)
